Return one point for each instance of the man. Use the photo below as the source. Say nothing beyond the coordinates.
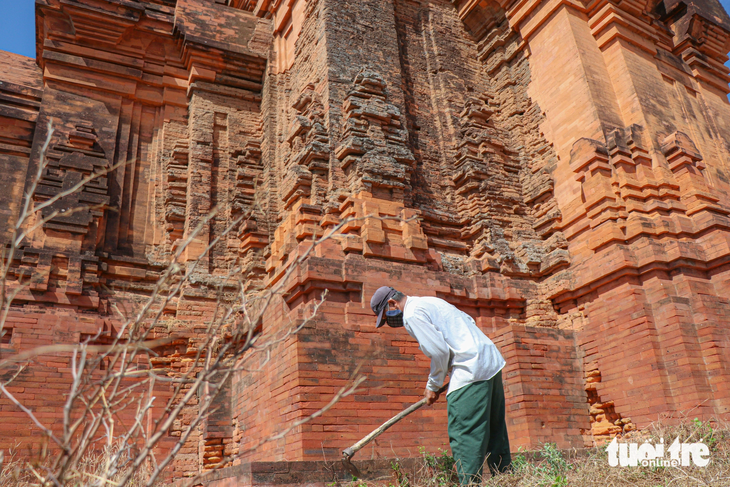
(475, 397)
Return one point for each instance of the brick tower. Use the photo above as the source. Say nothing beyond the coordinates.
(558, 170)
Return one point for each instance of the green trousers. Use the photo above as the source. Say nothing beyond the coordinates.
(477, 429)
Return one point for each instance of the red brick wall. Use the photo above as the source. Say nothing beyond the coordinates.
(544, 387)
(45, 379)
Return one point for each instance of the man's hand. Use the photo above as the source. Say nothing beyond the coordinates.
(431, 396)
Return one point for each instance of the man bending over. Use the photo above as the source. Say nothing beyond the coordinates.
(475, 397)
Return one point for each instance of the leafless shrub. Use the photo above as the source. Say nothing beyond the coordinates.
(92, 446)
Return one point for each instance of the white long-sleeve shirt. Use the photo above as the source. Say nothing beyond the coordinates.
(453, 342)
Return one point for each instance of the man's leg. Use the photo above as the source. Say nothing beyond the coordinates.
(498, 455)
(469, 428)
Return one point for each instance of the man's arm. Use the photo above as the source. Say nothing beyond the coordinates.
(433, 345)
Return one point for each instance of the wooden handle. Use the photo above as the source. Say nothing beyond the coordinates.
(349, 452)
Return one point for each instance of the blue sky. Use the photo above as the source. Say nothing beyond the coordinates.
(17, 26)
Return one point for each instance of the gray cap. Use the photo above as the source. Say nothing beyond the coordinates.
(379, 302)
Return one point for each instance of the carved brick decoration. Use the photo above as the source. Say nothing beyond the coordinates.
(310, 148)
(559, 171)
(176, 194)
(374, 151)
(68, 166)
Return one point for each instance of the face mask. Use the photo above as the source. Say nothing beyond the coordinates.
(394, 318)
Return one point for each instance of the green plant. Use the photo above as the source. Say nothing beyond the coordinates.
(519, 462)
(552, 470)
(440, 467)
(706, 433)
(400, 477)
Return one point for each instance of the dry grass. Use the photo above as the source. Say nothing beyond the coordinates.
(550, 467)
(19, 470)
